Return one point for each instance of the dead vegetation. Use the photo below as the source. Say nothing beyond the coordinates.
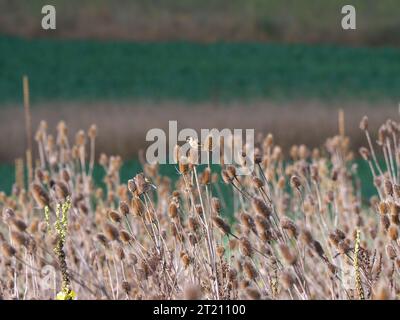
(298, 230)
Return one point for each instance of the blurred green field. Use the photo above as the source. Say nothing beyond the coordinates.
(94, 70)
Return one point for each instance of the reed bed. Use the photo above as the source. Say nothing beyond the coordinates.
(300, 228)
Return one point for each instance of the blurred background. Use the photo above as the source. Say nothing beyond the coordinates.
(280, 66)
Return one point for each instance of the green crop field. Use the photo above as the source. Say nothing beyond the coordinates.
(90, 70)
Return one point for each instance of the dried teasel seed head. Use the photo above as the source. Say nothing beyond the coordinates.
(102, 239)
(126, 287)
(92, 132)
(253, 293)
(257, 182)
(225, 177)
(172, 210)
(340, 234)
(206, 176)
(8, 250)
(391, 252)
(138, 208)
(40, 195)
(199, 209)
(261, 224)
(295, 182)
(125, 236)
(249, 270)
(221, 225)
(314, 173)
(245, 247)
(19, 238)
(385, 222)
(65, 176)
(193, 224)
(231, 171)
(365, 154)
(8, 213)
(388, 187)
(306, 237)
(18, 224)
(183, 165)
(124, 208)
(220, 251)
(142, 184)
(343, 247)
(258, 158)
(364, 123)
(110, 231)
(287, 254)
(396, 189)
(380, 291)
(39, 175)
(232, 244)
(290, 227)
(192, 292)
(216, 205)
(260, 207)
(393, 232)
(34, 226)
(120, 253)
(115, 216)
(132, 186)
(334, 239)
(80, 138)
(185, 259)
(61, 190)
(383, 208)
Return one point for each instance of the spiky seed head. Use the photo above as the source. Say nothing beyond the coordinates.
(225, 177)
(295, 182)
(132, 186)
(245, 247)
(257, 182)
(260, 207)
(253, 293)
(19, 238)
(290, 227)
(221, 225)
(393, 232)
(172, 210)
(206, 177)
(110, 231)
(306, 237)
(287, 254)
(115, 216)
(216, 205)
(220, 251)
(18, 224)
(124, 208)
(125, 236)
(8, 250)
(365, 154)
(138, 209)
(92, 132)
(388, 187)
(364, 123)
(102, 239)
(40, 195)
(249, 270)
